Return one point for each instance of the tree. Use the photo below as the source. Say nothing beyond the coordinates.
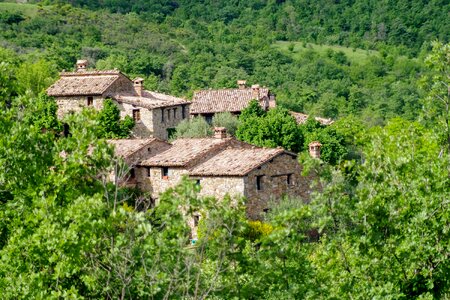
(437, 83)
(193, 128)
(227, 120)
(386, 234)
(269, 129)
(111, 124)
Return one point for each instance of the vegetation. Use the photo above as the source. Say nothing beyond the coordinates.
(377, 228)
(111, 125)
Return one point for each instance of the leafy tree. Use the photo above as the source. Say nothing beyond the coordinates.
(269, 129)
(227, 120)
(437, 83)
(385, 235)
(193, 128)
(111, 124)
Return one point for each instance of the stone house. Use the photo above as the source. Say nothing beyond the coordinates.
(206, 103)
(301, 118)
(131, 152)
(220, 165)
(155, 114)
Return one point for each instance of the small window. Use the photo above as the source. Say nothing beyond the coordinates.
(132, 173)
(148, 172)
(174, 113)
(197, 182)
(165, 172)
(183, 113)
(196, 220)
(90, 101)
(208, 119)
(149, 150)
(162, 115)
(171, 133)
(259, 182)
(136, 115)
(168, 114)
(289, 179)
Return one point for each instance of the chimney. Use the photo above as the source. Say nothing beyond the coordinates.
(241, 84)
(138, 84)
(82, 65)
(220, 132)
(255, 91)
(314, 149)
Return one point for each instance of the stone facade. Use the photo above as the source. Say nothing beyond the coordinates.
(75, 104)
(277, 178)
(77, 90)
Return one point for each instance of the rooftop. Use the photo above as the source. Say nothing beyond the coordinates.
(231, 100)
(83, 83)
(151, 100)
(185, 152)
(236, 161)
(127, 147)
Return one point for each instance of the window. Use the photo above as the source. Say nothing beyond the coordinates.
(208, 119)
(174, 113)
(259, 182)
(289, 179)
(90, 101)
(171, 132)
(148, 172)
(168, 114)
(136, 115)
(165, 172)
(149, 150)
(162, 115)
(197, 182)
(183, 113)
(132, 173)
(196, 220)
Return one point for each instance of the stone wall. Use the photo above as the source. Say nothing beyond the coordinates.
(220, 186)
(142, 128)
(172, 116)
(121, 85)
(75, 104)
(274, 184)
(155, 183)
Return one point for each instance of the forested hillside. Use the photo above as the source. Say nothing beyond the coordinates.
(181, 47)
(377, 224)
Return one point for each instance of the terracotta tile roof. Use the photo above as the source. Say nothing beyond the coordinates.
(302, 118)
(127, 147)
(232, 100)
(185, 152)
(236, 161)
(83, 83)
(151, 100)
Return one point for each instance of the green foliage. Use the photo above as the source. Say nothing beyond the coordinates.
(384, 235)
(437, 86)
(111, 124)
(227, 120)
(193, 128)
(269, 129)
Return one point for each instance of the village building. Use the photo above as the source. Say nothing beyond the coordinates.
(301, 118)
(155, 114)
(206, 103)
(221, 165)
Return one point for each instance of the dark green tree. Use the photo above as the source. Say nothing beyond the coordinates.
(110, 123)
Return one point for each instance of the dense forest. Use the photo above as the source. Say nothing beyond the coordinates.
(377, 225)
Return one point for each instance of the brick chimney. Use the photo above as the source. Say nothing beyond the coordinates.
(138, 84)
(82, 65)
(255, 91)
(241, 84)
(314, 149)
(220, 132)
